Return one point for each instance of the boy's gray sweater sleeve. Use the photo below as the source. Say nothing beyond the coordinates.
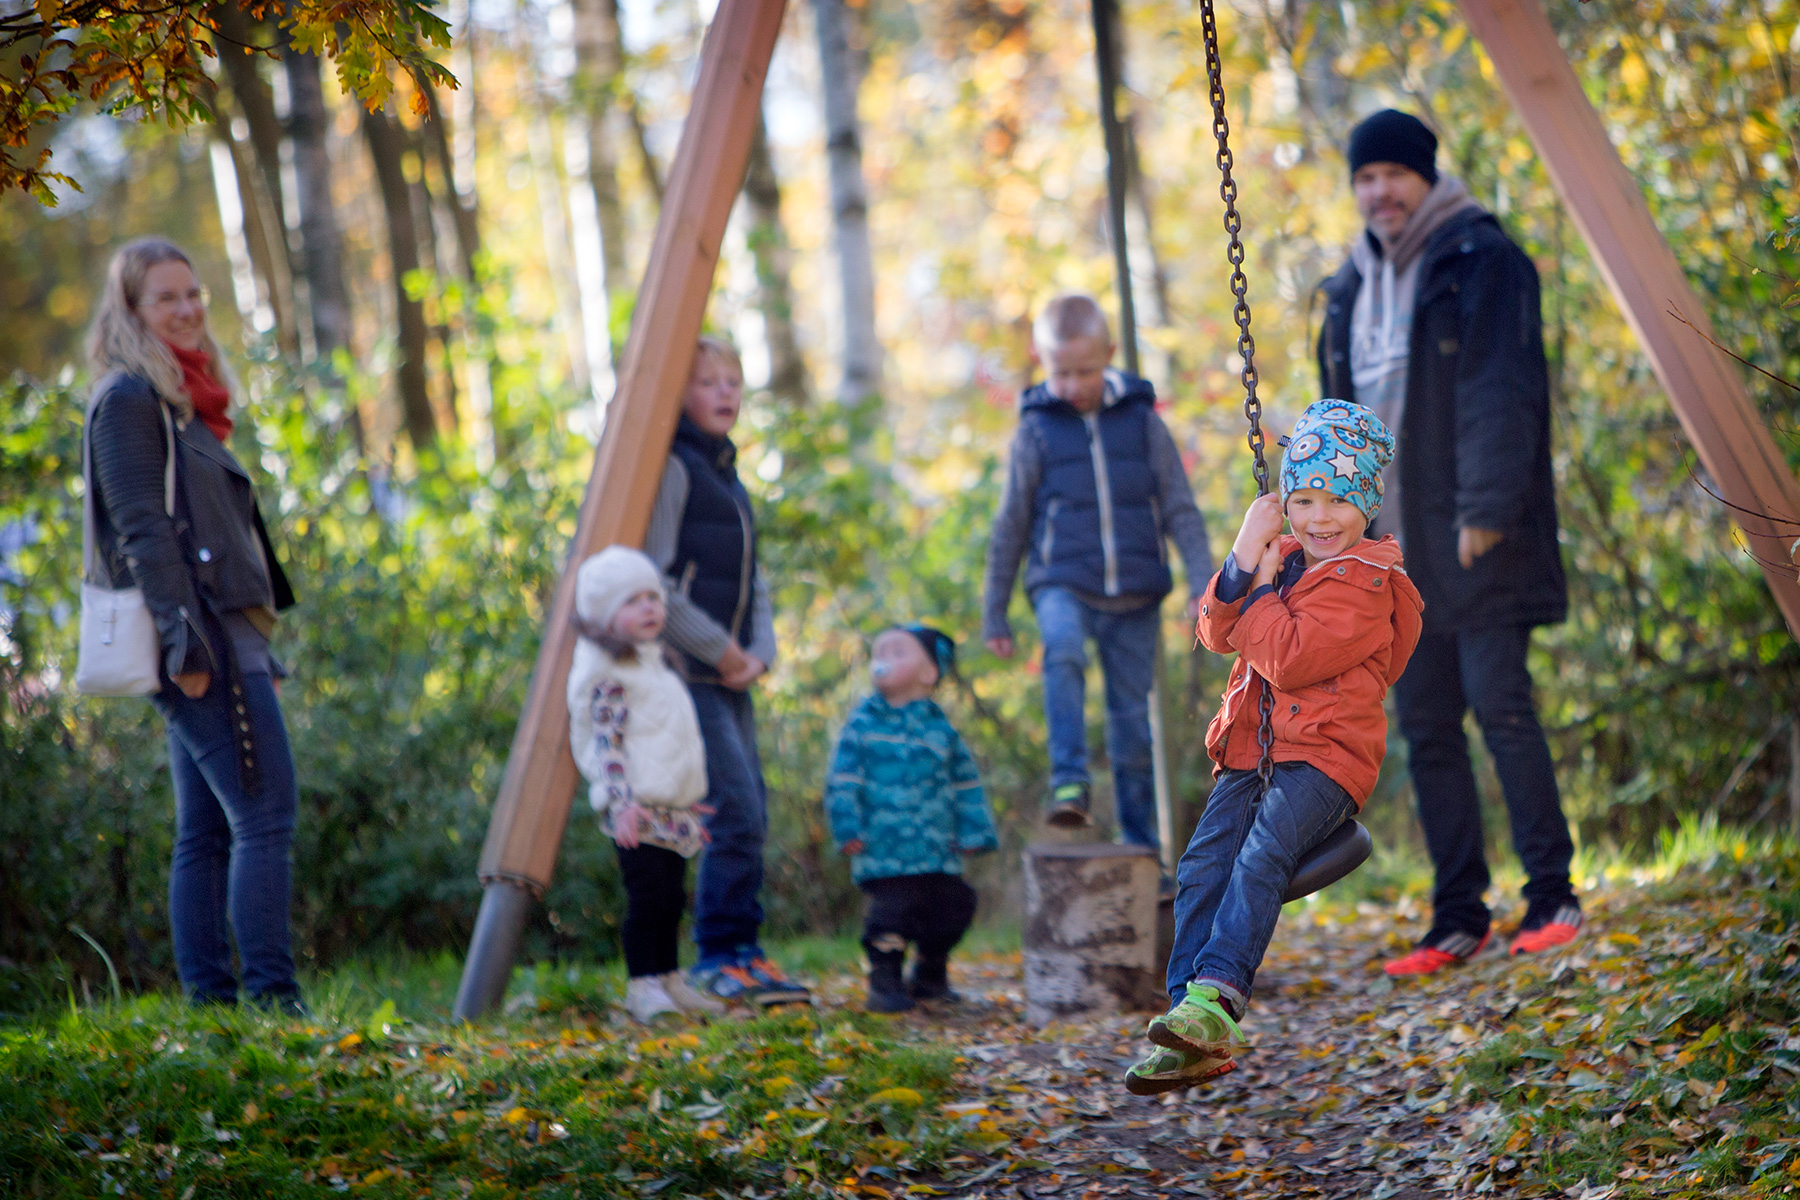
(1181, 517)
(687, 628)
(1012, 532)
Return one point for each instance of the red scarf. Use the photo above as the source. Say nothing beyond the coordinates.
(208, 394)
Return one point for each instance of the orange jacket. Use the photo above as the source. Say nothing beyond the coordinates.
(1331, 648)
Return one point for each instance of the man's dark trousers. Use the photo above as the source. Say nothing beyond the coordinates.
(1481, 669)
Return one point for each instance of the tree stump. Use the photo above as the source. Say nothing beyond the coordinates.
(1090, 932)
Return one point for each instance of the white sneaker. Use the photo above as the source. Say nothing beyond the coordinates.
(646, 999)
(689, 999)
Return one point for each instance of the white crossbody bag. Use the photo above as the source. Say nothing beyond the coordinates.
(120, 650)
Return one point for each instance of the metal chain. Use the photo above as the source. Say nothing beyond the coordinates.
(1246, 345)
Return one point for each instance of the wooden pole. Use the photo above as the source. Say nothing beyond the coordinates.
(525, 834)
(1609, 208)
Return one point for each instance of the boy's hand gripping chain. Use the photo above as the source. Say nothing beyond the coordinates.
(1209, 28)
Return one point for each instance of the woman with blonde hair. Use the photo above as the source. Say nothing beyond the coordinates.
(211, 581)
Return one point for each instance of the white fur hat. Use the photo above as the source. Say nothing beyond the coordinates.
(610, 578)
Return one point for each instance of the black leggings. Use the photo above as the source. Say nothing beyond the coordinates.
(654, 897)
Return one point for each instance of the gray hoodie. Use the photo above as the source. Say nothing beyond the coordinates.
(1381, 322)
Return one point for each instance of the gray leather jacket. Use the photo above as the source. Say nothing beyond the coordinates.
(213, 555)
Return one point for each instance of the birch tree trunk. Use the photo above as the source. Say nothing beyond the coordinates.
(257, 156)
(840, 64)
(321, 237)
(1090, 936)
(774, 286)
(387, 146)
(600, 65)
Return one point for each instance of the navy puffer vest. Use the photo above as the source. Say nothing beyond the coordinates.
(715, 552)
(1096, 526)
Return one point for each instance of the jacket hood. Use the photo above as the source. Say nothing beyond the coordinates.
(1121, 388)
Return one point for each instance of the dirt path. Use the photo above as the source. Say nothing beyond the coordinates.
(1343, 1094)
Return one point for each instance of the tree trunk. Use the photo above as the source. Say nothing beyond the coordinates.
(547, 176)
(1090, 937)
(321, 239)
(255, 99)
(387, 145)
(464, 214)
(257, 157)
(840, 65)
(646, 158)
(600, 64)
(774, 288)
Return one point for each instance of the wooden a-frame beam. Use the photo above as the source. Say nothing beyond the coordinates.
(532, 808)
(1609, 209)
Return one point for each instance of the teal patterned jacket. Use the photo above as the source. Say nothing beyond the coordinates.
(903, 781)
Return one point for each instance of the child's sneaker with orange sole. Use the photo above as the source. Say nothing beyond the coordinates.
(1436, 951)
(1547, 928)
(1168, 1070)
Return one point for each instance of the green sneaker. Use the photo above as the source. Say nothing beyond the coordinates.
(1069, 807)
(1198, 1025)
(1164, 1070)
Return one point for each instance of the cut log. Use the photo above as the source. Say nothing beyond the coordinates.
(1090, 932)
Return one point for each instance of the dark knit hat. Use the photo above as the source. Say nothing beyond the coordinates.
(938, 645)
(1396, 137)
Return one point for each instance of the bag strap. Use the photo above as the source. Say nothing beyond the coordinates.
(90, 556)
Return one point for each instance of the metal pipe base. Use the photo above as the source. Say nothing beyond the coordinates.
(492, 949)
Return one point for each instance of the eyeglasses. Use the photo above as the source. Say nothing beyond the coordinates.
(164, 301)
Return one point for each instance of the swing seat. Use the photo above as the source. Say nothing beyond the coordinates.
(1346, 848)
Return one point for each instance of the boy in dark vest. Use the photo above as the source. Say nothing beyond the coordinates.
(1094, 490)
(702, 536)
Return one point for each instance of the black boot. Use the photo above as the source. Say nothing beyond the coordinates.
(931, 979)
(887, 994)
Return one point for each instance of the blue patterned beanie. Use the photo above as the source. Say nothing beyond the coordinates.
(1341, 447)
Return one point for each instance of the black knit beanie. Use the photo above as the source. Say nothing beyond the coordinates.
(938, 645)
(1396, 137)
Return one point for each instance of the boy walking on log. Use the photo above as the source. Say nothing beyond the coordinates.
(1325, 620)
(1094, 488)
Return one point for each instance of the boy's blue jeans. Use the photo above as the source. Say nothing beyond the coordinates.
(727, 911)
(1127, 646)
(233, 851)
(1236, 870)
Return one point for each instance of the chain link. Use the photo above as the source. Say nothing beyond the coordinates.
(1246, 344)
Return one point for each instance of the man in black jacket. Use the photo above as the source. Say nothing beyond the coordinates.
(1434, 324)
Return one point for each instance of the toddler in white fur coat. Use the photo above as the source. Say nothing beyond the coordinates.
(635, 737)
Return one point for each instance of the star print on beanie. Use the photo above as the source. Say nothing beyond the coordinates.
(1341, 447)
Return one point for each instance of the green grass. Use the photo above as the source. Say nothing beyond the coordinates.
(380, 1093)
(1660, 1054)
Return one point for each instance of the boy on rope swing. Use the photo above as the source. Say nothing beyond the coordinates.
(1327, 620)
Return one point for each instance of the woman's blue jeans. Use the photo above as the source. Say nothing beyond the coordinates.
(1237, 869)
(233, 851)
(1127, 646)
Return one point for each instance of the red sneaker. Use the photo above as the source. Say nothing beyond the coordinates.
(1563, 927)
(1437, 952)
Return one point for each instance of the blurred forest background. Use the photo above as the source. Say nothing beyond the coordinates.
(425, 302)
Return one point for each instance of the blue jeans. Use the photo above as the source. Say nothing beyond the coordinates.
(1483, 669)
(1127, 646)
(727, 913)
(1236, 870)
(233, 851)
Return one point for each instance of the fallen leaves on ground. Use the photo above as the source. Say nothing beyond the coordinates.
(1656, 1057)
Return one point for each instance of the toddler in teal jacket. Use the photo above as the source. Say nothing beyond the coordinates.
(905, 802)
